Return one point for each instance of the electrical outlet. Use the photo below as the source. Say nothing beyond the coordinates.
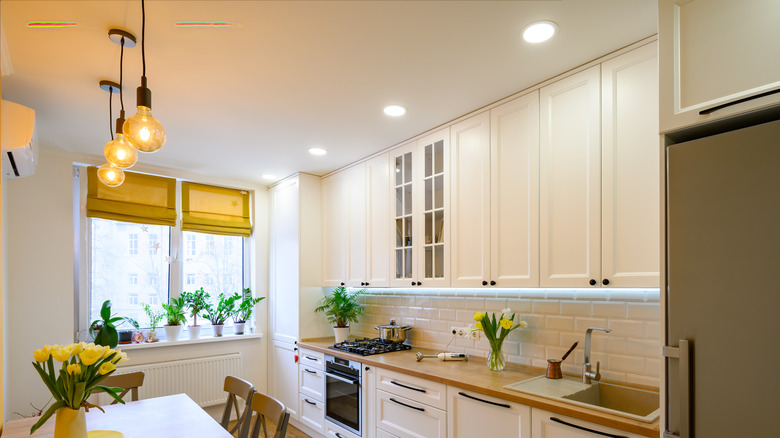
(463, 332)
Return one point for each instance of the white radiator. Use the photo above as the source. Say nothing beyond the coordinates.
(202, 378)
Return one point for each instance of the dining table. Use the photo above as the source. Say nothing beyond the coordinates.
(169, 417)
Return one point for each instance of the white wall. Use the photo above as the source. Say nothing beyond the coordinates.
(39, 252)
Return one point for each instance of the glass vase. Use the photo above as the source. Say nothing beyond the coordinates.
(496, 361)
(70, 423)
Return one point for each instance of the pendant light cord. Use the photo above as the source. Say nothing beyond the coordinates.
(110, 113)
(143, 38)
(121, 59)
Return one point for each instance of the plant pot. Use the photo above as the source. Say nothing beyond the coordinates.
(239, 327)
(172, 332)
(342, 333)
(193, 331)
(217, 328)
(125, 336)
(151, 336)
(70, 423)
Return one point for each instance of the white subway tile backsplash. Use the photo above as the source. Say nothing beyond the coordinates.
(556, 318)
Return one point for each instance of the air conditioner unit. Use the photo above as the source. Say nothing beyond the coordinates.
(19, 142)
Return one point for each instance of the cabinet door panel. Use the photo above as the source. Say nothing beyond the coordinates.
(334, 230)
(468, 410)
(543, 426)
(433, 221)
(354, 216)
(312, 413)
(470, 206)
(403, 233)
(514, 191)
(283, 381)
(377, 221)
(630, 170)
(409, 419)
(284, 246)
(570, 199)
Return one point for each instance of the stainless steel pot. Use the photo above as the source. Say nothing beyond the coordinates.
(392, 333)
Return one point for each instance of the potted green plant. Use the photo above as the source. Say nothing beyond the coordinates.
(103, 330)
(174, 314)
(217, 315)
(154, 321)
(195, 302)
(341, 308)
(244, 310)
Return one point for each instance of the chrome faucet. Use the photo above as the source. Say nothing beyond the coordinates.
(587, 374)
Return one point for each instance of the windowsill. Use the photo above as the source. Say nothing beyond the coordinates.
(201, 340)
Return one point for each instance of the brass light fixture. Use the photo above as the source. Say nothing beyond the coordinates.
(142, 130)
(109, 174)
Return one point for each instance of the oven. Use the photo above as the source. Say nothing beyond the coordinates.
(342, 393)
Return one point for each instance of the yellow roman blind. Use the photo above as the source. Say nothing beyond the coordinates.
(145, 199)
(215, 210)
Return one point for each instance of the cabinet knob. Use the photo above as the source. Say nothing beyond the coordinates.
(362, 283)
(592, 282)
(419, 283)
(605, 282)
(414, 283)
(342, 283)
(492, 282)
(367, 368)
(366, 283)
(484, 283)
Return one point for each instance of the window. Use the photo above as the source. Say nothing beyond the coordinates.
(115, 229)
(191, 245)
(132, 243)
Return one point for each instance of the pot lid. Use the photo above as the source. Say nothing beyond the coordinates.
(392, 325)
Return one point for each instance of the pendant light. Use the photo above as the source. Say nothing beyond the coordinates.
(119, 151)
(111, 175)
(142, 130)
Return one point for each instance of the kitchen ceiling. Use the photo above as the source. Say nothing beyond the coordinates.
(251, 98)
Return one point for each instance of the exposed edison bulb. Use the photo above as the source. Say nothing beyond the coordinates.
(111, 175)
(120, 153)
(143, 131)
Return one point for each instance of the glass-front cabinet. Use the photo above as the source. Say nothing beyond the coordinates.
(420, 190)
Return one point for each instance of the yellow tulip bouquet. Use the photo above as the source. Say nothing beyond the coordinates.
(83, 367)
(496, 330)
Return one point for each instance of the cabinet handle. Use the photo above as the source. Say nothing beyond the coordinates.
(503, 405)
(484, 283)
(492, 282)
(309, 402)
(338, 434)
(309, 371)
(597, 432)
(408, 406)
(407, 387)
(605, 281)
(592, 282)
(311, 358)
(734, 102)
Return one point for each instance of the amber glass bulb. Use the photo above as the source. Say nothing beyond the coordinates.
(111, 175)
(120, 153)
(143, 131)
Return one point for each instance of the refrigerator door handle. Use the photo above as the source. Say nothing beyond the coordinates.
(682, 352)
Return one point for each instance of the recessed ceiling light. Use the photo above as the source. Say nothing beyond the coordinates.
(269, 177)
(395, 110)
(202, 24)
(51, 24)
(539, 31)
(317, 151)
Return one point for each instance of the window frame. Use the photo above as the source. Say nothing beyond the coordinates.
(178, 251)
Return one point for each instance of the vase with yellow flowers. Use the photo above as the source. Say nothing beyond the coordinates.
(496, 330)
(78, 372)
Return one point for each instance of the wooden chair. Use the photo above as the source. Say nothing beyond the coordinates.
(236, 388)
(266, 407)
(128, 382)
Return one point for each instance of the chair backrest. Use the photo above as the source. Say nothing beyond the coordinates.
(266, 407)
(236, 388)
(128, 382)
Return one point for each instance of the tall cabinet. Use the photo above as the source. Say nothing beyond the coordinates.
(294, 280)
(599, 175)
(420, 188)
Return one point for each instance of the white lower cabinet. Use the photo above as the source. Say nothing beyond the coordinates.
(549, 425)
(312, 413)
(414, 388)
(468, 411)
(407, 418)
(382, 434)
(335, 431)
(311, 392)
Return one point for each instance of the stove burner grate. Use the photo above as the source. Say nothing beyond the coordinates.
(368, 346)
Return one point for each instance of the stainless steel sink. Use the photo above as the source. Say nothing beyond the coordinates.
(619, 400)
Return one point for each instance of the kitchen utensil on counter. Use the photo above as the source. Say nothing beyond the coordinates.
(554, 365)
(392, 332)
(444, 356)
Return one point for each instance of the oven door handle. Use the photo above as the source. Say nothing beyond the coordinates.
(345, 380)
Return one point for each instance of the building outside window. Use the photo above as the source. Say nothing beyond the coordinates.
(132, 244)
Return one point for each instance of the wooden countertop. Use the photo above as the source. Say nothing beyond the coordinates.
(473, 375)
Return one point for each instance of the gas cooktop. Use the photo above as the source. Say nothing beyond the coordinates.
(368, 346)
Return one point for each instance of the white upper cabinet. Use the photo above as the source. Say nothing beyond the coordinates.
(420, 187)
(514, 193)
(353, 215)
(713, 53)
(470, 207)
(334, 231)
(495, 196)
(570, 180)
(630, 170)
(378, 228)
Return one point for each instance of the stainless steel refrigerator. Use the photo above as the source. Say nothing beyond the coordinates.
(723, 285)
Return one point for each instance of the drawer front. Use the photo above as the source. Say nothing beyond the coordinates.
(414, 388)
(407, 418)
(312, 381)
(549, 425)
(382, 434)
(312, 413)
(336, 431)
(311, 359)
